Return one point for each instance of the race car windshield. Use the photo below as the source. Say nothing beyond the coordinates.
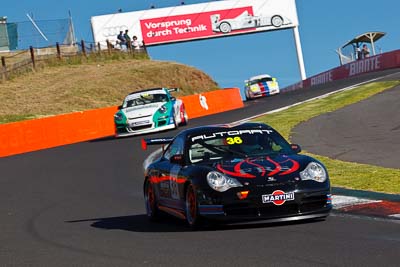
(144, 99)
(266, 79)
(218, 145)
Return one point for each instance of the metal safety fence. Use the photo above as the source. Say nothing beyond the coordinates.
(37, 33)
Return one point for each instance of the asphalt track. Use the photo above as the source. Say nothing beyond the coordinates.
(370, 135)
(82, 205)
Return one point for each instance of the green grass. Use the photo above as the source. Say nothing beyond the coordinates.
(343, 174)
(14, 118)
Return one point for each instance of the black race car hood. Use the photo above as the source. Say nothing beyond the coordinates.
(287, 166)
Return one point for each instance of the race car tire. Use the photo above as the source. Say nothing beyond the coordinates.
(225, 27)
(247, 95)
(191, 208)
(152, 211)
(277, 21)
(176, 123)
(184, 116)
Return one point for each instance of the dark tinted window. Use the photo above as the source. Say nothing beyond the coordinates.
(176, 147)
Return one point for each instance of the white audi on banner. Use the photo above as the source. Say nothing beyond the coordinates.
(198, 21)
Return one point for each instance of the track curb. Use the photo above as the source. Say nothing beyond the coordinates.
(366, 203)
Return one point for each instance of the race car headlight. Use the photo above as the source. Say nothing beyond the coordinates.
(118, 117)
(162, 109)
(220, 182)
(314, 171)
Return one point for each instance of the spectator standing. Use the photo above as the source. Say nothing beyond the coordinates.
(122, 40)
(127, 39)
(358, 50)
(135, 43)
(365, 51)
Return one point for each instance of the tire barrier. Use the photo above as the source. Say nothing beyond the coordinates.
(32, 135)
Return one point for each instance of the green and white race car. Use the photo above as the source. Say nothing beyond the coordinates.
(149, 110)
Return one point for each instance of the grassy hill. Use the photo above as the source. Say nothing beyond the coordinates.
(76, 87)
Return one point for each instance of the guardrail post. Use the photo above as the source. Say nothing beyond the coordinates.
(58, 50)
(4, 73)
(144, 47)
(129, 46)
(108, 47)
(32, 57)
(83, 47)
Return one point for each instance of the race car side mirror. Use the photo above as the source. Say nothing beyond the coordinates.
(119, 107)
(177, 159)
(296, 148)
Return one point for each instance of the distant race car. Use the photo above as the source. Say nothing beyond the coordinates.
(261, 85)
(149, 110)
(234, 174)
(245, 21)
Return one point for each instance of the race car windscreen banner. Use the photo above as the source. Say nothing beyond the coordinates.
(198, 21)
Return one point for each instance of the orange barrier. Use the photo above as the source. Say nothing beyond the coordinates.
(31, 135)
(212, 102)
(37, 134)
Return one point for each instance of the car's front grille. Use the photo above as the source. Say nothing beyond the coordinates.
(162, 123)
(252, 208)
(140, 127)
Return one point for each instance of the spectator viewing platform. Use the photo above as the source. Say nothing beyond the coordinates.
(357, 48)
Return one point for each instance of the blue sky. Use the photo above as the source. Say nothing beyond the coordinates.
(324, 26)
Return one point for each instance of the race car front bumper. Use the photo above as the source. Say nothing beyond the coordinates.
(128, 131)
(143, 125)
(231, 209)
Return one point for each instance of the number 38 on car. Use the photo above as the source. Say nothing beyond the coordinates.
(234, 174)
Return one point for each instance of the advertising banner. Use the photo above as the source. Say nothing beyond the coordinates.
(388, 60)
(198, 21)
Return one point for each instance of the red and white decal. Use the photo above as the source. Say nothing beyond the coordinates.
(278, 197)
(186, 26)
(238, 169)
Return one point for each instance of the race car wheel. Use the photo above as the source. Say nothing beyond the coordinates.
(225, 27)
(277, 21)
(184, 116)
(191, 206)
(247, 95)
(176, 123)
(151, 203)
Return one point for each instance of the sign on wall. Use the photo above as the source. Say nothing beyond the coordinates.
(197, 21)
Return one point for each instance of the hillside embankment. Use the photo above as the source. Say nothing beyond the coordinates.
(75, 87)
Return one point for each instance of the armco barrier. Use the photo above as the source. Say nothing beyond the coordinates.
(379, 62)
(32, 135)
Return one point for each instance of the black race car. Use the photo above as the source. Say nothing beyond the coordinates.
(234, 173)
